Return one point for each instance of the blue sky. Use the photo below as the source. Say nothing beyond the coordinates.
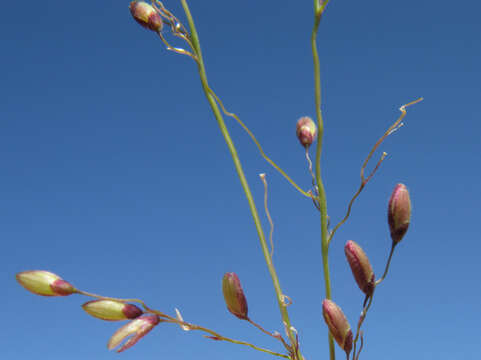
(115, 176)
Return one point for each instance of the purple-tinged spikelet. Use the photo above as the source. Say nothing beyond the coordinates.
(399, 212)
(111, 310)
(360, 266)
(234, 295)
(306, 131)
(44, 283)
(338, 325)
(137, 328)
(146, 15)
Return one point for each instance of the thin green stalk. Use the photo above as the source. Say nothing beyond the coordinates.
(216, 336)
(322, 193)
(220, 121)
(170, 319)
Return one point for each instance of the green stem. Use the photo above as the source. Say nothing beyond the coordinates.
(322, 193)
(240, 172)
(217, 336)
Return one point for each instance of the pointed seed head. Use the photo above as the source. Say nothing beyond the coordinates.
(234, 295)
(44, 283)
(360, 266)
(399, 212)
(111, 310)
(137, 329)
(146, 15)
(338, 325)
(306, 131)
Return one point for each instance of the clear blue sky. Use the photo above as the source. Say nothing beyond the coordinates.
(115, 175)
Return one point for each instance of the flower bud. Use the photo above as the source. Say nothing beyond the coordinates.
(399, 212)
(337, 324)
(138, 328)
(44, 283)
(360, 266)
(146, 15)
(306, 131)
(111, 310)
(234, 296)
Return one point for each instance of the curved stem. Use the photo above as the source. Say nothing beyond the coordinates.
(279, 337)
(268, 214)
(364, 180)
(216, 336)
(362, 345)
(240, 172)
(393, 246)
(320, 185)
(261, 150)
(359, 324)
(309, 163)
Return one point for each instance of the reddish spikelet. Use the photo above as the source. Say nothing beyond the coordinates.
(146, 15)
(111, 310)
(44, 283)
(306, 131)
(360, 266)
(137, 328)
(338, 325)
(399, 212)
(234, 295)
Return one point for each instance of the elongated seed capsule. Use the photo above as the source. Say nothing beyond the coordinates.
(146, 15)
(132, 332)
(44, 283)
(111, 310)
(234, 295)
(306, 131)
(360, 266)
(399, 212)
(338, 325)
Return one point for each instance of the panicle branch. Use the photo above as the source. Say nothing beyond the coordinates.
(107, 308)
(364, 180)
(259, 147)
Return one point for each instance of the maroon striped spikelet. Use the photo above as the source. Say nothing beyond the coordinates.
(399, 212)
(234, 295)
